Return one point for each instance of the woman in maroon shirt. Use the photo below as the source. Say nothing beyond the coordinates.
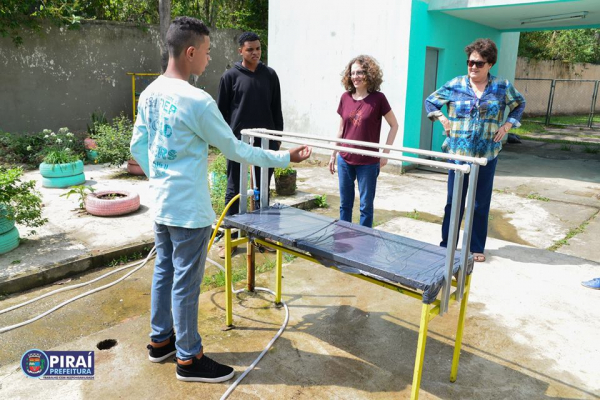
(361, 109)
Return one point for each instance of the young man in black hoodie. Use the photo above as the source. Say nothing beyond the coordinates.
(249, 97)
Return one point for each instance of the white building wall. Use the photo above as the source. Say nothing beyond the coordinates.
(310, 43)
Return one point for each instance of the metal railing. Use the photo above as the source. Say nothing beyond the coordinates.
(460, 171)
(568, 102)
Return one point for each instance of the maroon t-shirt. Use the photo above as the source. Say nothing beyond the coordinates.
(362, 121)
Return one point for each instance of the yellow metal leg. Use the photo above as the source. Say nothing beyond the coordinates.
(420, 351)
(279, 273)
(133, 94)
(228, 280)
(459, 329)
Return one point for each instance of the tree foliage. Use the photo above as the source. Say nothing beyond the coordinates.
(18, 16)
(572, 46)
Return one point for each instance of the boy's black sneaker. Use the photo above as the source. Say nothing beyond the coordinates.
(158, 354)
(204, 370)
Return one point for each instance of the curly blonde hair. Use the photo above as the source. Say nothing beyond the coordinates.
(374, 74)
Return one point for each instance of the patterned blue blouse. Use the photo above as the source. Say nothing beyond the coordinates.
(474, 121)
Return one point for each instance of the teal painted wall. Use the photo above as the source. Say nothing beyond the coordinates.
(449, 35)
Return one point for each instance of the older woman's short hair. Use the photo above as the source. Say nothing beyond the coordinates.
(486, 49)
(374, 75)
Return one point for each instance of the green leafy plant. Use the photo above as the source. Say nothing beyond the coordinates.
(19, 200)
(321, 201)
(21, 149)
(113, 141)
(59, 146)
(97, 118)
(414, 214)
(79, 190)
(279, 172)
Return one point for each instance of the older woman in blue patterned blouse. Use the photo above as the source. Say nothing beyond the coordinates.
(475, 127)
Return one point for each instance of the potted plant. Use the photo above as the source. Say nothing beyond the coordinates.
(61, 167)
(19, 203)
(285, 181)
(98, 118)
(113, 144)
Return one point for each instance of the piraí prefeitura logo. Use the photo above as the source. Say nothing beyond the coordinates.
(34, 363)
(58, 364)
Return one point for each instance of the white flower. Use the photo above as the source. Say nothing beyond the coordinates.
(46, 131)
(59, 141)
(67, 149)
(69, 134)
(64, 130)
(70, 140)
(52, 134)
(46, 137)
(29, 148)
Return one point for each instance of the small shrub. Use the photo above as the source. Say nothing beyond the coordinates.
(97, 118)
(79, 190)
(19, 200)
(21, 149)
(321, 201)
(113, 141)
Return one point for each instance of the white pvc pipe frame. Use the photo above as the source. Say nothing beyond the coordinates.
(460, 170)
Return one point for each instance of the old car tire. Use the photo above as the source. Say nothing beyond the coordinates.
(6, 225)
(9, 241)
(61, 170)
(107, 208)
(63, 182)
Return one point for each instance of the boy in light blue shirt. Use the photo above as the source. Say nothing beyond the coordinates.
(175, 124)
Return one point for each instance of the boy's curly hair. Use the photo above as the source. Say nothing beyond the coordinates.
(374, 75)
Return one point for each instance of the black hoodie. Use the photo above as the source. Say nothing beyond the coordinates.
(250, 99)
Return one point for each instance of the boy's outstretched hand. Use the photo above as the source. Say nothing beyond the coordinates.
(300, 153)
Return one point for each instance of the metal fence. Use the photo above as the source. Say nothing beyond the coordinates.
(571, 102)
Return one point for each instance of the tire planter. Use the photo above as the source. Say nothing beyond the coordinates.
(6, 225)
(91, 155)
(61, 170)
(134, 168)
(62, 175)
(95, 205)
(64, 181)
(9, 241)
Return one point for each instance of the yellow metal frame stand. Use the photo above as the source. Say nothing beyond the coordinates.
(428, 311)
(134, 95)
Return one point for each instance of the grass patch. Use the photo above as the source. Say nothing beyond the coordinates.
(572, 233)
(537, 196)
(123, 174)
(581, 119)
(240, 274)
(288, 258)
(529, 127)
(124, 259)
(565, 147)
(15, 262)
(591, 149)
(413, 214)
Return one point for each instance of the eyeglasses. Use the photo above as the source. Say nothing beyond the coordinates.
(357, 73)
(479, 64)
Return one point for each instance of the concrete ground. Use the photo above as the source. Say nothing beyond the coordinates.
(531, 329)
